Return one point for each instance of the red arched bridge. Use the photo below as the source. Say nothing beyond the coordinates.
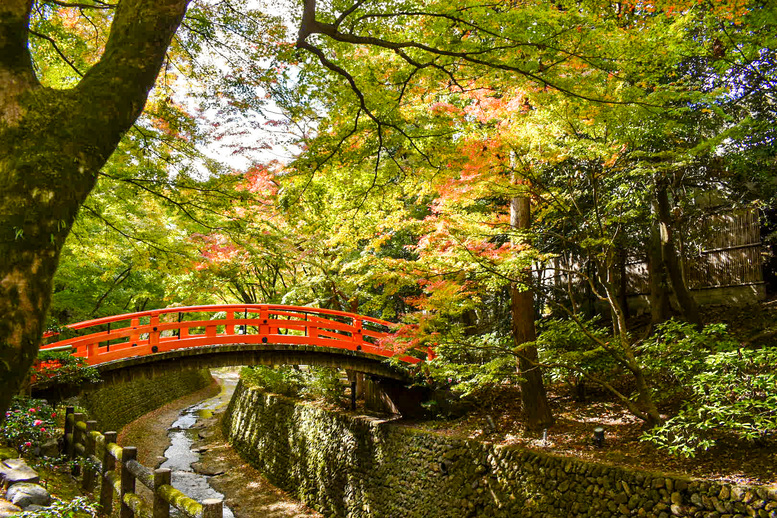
(231, 327)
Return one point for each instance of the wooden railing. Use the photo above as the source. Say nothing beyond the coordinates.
(101, 458)
(149, 332)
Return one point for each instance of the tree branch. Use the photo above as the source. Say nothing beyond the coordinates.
(58, 51)
(311, 26)
(96, 5)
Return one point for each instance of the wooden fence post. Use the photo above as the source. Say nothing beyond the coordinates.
(162, 476)
(127, 480)
(77, 439)
(212, 508)
(87, 482)
(109, 466)
(70, 450)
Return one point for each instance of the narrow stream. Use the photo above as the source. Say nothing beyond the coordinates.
(183, 433)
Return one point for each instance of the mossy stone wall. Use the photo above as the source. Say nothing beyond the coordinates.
(116, 404)
(362, 467)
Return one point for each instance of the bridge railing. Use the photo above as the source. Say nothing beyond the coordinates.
(136, 334)
(102, 456)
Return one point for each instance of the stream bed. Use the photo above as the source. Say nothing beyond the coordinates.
(203, 463)
(181, 458)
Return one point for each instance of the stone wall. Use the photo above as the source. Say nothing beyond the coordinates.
(115, 404)
(364, 467)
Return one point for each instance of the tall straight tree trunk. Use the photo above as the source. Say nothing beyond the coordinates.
(623, 281)
(660, 308)
(688, 307)
(52, 146)
(534, 399)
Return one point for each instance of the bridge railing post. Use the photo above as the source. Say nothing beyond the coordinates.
(264, 316)
(313, 328)
(91, 350)
(357, 330)
(134, 336)
(153, 333)
(229, 327)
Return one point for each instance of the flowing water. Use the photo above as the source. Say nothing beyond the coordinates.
(183, 433)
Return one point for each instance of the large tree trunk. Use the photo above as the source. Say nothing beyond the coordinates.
(688, 307)
(52, 145)
(533, 397)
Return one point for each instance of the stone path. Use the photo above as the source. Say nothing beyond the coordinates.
(20, 488)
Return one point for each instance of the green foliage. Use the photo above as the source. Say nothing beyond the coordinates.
(325, 383)
(283, 380)
(78, 507)
(677, 352)
(28, 422)
(469, 364)
(62, 368)
(728, 390)
(308, 382)
(563, 343)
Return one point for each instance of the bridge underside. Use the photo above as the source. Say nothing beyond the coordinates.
(252, 354)
(233, 355)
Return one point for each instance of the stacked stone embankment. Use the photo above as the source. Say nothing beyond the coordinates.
(114, 405)
(364, 467)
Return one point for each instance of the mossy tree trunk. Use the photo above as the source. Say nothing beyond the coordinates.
(52, 145)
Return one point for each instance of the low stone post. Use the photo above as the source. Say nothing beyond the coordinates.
(70, 449)
(212, 508)
(77, 439)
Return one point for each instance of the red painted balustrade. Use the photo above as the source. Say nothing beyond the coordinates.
(160, 330)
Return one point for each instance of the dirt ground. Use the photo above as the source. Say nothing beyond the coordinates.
(497, 419)
(572, 435)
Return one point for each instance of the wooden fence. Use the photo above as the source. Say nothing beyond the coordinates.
(729, 255)
(117, 469)
(723, 251)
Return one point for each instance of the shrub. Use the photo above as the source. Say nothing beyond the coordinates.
(727, 390)
(63, 368)
(325, 383)
(309, 382)
(79, 507)
(28, 423)
(470, 364)
(563, 343)
(283, 379)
